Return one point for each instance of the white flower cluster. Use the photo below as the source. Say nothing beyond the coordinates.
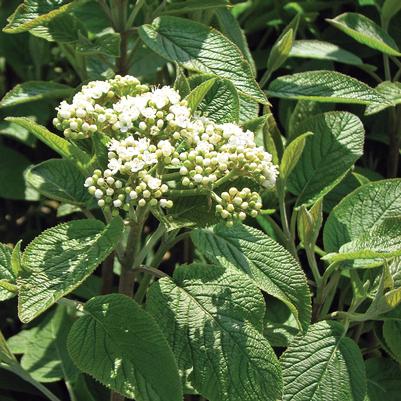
(158, 146)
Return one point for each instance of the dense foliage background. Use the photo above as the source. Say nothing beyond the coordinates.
(57, 45)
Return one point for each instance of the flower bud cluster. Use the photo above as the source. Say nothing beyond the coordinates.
(236, 204)
(158, 145)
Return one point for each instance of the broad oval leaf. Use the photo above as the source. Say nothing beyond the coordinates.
(324, 86)
(360, 211)
(60, 259)
(269, 265)
(35, 90)
(321, 50)
(6, 272)
(323, 365)
(201, 49)
(59, 179)
(32, 13)
(365, 31)
(336, 144)
(213, 317)
(121, 345)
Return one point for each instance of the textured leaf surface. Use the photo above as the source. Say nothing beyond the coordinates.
(365, 31)
(360, 211)
(384, 380)
(270, 266)
(391, 91)
(6, 272)
(46, 357)
(60, 180)
(336, 143)
(324, 86)
(213, 319)
(35, 90)
(199, 48)
(391, 334)
(120, 344)
(32, 13)
(323, 365)
(323, 51)
(107, 44)
(59, 259)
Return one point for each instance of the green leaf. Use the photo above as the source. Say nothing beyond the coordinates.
(60, 259)
(280, 51)
(310, 222)
(365, 31)
(381, 241)
(12, 169)
(196, 96)
(187, 6)
(384, 379)
(336, 144)
(321, 50)
(55, 142)
(391, 334)
(16, 132)
(389, 9)
(34, 90)
(6, 272)
(16, 259)
(46, 357)
(107, 45)
(323, 365)
(121, 345)
(181, 83)
(360, 211)
(201, 49)
(270, 266)
(217, 340)
(19, 342)
(32, 13)
(324, 86)
(391, 91)
(292, 154)
(59, 179)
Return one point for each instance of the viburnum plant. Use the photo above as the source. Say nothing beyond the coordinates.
(239, 261)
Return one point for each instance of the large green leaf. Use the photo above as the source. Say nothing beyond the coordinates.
(391, 334)
(199, 48)
(32, 13)
(365, 31)
(384, 380)
(60, 259)
(107, 45)
(360, 211)
(188, 6)
(270, 266)
(46, 357)
(391, 91)
(121, 345)
(324, 86)
(35, 90)
(55, 142)
(17, 132)
(323, 365)
(212, 317)
(6, 272)
(59, 179)
(336, 143)
(320, 50)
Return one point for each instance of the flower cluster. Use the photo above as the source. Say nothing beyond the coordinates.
(158, 146)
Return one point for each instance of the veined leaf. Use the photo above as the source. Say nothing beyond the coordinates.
(391, 91)
(280, 51)
(188, 6)
(59, 179)
(195, 97)
(201, 49)
(222, 346)
(336, 144)
(323, 365)
(384, 379)
(55, 142)
(365, 31)
(320, 50)
(32, 13)
(6, 272)
(270, 266)
(60, 259)
(121, 345)
(391, 334)
(181, 83)
(46, 357)
(324, 86)
(35, 90)
(360, 211)
(107, 44)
